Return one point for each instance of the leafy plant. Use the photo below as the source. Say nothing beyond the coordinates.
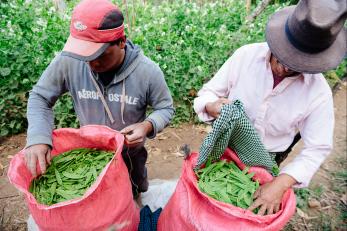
(31, 34)
(189, 40)
(302, 196)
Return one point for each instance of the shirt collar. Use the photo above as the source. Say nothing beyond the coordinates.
(307, 78)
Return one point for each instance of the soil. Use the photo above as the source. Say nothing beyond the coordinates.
(165, 161)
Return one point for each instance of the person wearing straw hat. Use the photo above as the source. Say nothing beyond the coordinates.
(283, 91)
(111, 82)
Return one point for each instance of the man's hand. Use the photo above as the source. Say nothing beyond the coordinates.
(37, 153)
(136, 133)
(269, 196)
(213, 109)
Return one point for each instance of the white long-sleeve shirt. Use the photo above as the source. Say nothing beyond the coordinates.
(302, 103)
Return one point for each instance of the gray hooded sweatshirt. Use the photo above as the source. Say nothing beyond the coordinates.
(138, 83)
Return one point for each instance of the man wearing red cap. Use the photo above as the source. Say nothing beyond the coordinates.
(282, 90)
(111, 83)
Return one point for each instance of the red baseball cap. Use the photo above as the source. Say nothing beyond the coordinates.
(94, 25)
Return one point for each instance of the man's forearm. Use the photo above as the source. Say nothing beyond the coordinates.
(40, 119)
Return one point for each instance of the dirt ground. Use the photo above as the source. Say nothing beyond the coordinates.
(165, 160)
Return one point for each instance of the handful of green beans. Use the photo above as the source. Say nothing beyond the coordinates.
(225, 182)
(69, 175)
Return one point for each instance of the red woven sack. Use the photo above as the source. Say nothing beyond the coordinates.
(107, 203)
(190, 209)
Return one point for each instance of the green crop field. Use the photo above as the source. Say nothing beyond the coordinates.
(190, 40)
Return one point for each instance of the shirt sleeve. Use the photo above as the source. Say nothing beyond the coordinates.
(41, 100)
(161, 101)
(317, 133)
(219, 86)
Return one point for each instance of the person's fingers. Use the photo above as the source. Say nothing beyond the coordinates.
(42, 162)
(262, 210)
(221, 103)
(255, 205)
(270, 210)
(126, 130)
(225, 100)
(133, 136)
(257, 193)
(48, 156)
(277, 208)
(134, 141)
(32, 163)
(138, 140)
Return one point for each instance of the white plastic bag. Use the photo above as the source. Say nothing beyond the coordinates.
(159, 193)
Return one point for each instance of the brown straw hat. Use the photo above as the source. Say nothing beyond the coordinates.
(309, 37)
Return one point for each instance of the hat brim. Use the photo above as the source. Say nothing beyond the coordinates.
(295, 59)
(84, 50)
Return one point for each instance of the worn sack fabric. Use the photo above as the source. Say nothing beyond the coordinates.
(191, 209)
(108, 203)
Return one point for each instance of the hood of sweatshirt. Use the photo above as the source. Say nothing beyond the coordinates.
(132, 51)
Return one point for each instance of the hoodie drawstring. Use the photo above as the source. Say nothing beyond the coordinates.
(123, 102)
(108, 111)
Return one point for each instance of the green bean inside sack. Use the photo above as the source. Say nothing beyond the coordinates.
(69, 175)
(225, 182)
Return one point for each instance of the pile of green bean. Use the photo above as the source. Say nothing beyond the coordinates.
(69, 175)
(225, 182)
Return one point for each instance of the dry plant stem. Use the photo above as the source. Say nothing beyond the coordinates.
(248, 6)
(260, 8)
(6, 197)
(133, 15)
(306, 226)
(127, 17)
